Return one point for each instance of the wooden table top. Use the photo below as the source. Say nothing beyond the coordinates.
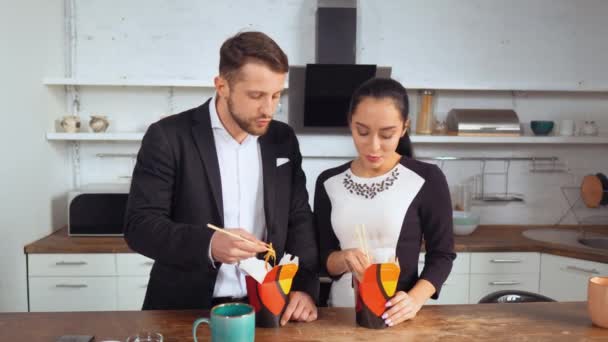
(500, 238)
(496, 322)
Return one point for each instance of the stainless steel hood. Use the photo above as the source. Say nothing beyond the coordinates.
(479, 122)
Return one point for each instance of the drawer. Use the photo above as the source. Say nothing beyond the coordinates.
(68, 265)
(574, 266)
(455, 290)
(461, 263)
(131, 292)
(72, 293)
(505, 263)
(484, 284)
(567, 279)
(132, 264)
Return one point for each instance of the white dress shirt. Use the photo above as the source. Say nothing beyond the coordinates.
(242, 196)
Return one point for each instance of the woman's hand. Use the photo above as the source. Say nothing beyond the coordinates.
(356, 261)
(402, 308)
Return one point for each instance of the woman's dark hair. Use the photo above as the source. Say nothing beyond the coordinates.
(380, 88)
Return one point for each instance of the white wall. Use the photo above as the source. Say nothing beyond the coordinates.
(123, 42)
(34, 174)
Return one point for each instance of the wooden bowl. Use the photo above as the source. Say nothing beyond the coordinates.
(594, 190)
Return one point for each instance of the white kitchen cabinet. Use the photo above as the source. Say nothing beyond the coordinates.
(505, 262)
(133, 274)
(72, 282)
(491, 272)
(72, 294)
(484, 284)
(130, 264)
(566, 279)
(67, 265)
(455, 290)
(87, 282)
(131, 292)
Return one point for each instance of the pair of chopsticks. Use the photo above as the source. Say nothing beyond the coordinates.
(362, 237)
(223, 231)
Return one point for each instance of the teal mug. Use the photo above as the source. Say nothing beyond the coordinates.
(229, 322)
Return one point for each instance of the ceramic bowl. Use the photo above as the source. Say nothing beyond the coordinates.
(465, 222)
(541, 127)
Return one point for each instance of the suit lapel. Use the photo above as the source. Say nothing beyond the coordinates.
(268, 151)
(203, 137)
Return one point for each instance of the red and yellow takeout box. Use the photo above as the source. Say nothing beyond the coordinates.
(270, 297)
(377, 286)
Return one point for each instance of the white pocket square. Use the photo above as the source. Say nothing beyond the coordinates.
(281, 161)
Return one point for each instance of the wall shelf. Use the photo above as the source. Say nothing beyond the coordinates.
(117, 136)
(346, 139)
(127, 82)
(510, 140)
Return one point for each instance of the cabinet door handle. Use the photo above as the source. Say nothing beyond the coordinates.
(505, 261)
(505, 283)
(70, 263)
(580, 269)
(72, 286)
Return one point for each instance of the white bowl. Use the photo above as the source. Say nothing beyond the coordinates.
(465, 222)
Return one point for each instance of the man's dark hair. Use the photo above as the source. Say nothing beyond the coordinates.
(250, 46)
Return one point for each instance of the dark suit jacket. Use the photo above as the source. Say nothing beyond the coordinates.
(176, 191)
(429, 216)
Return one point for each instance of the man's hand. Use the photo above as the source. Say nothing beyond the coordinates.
(229, 250)
(300, 308)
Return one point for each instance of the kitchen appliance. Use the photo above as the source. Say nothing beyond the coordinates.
(331, 86)
(97, 210)
(483, 122)
(328, 89)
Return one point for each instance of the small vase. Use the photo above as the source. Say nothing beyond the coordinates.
(70, 123)
(99, 123)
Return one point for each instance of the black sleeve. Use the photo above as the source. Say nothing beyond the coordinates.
(148, 227)
(436, 223)
(328, 241)
(301, 239)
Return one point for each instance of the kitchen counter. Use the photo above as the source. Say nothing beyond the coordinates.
(484, 239)
(496, 322)
(511, 239)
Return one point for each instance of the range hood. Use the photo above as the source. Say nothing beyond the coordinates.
(483, 122)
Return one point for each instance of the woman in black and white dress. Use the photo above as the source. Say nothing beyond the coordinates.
(401, 202)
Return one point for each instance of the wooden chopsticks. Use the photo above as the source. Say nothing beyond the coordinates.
(362, 237)
(224, 231)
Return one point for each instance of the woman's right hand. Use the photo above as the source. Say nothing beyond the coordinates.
(356, 261)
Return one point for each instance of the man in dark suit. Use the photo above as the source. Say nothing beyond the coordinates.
(226, 163)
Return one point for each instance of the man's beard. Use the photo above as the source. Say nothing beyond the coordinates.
(248, 126)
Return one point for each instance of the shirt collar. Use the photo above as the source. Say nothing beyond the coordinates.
(215, 119)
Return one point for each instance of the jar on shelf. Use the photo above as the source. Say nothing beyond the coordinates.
(425, 120)
(590, 128)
